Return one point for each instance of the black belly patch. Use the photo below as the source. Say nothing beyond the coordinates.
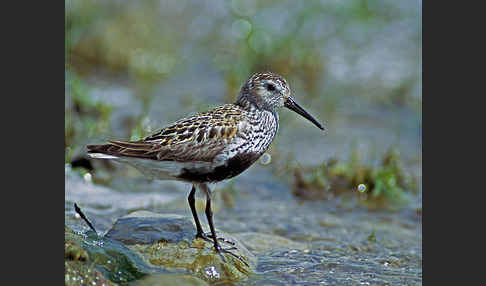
(233, 167)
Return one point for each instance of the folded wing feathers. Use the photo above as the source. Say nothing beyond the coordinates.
(136, 146)
(197, 138)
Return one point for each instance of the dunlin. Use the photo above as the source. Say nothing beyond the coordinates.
(210, 146)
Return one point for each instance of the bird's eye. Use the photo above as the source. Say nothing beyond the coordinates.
(270, 87)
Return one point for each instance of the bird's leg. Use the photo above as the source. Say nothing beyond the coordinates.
(192, 204)
(200, 233)
(209, 215)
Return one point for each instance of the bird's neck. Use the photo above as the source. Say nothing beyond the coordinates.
(249, 102)
(264, 129)
(256, 112)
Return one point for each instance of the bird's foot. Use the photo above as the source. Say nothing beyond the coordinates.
(221, 250)
(210, 238)
(222, 239)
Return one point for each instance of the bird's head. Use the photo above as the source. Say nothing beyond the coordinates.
(267, 90)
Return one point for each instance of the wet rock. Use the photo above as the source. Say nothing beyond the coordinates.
(171, 279)
(144, 227)
(168, 241)
(93, 260)
(72, 249)
(77, 273)
(261, 242)
(76, 269)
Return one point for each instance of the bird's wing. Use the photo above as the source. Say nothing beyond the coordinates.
(197, 138)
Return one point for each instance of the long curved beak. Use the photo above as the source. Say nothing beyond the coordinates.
(292, 105)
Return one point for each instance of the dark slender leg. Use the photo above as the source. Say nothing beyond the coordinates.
(192, 204)
(209, 215)
(200, 233)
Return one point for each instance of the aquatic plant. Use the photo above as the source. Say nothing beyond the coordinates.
(381, 185)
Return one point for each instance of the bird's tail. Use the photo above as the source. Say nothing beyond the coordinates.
(115, 149)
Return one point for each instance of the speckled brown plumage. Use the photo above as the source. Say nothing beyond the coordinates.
(196, 138)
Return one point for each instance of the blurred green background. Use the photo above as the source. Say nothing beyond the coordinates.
(133, 67)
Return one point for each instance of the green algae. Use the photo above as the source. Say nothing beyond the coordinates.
(199, 257)
(372, 237)
(141, 254)
(385, 184)
(79, 269)
(72, 251)
(171, 279)
(113, 261)
(77, 273)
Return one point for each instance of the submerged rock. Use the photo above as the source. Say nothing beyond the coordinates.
(144, 227)
(90, 259)
(168, 241)
(261, 242)
(171, 280)
(77, 273)
(78, 267)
